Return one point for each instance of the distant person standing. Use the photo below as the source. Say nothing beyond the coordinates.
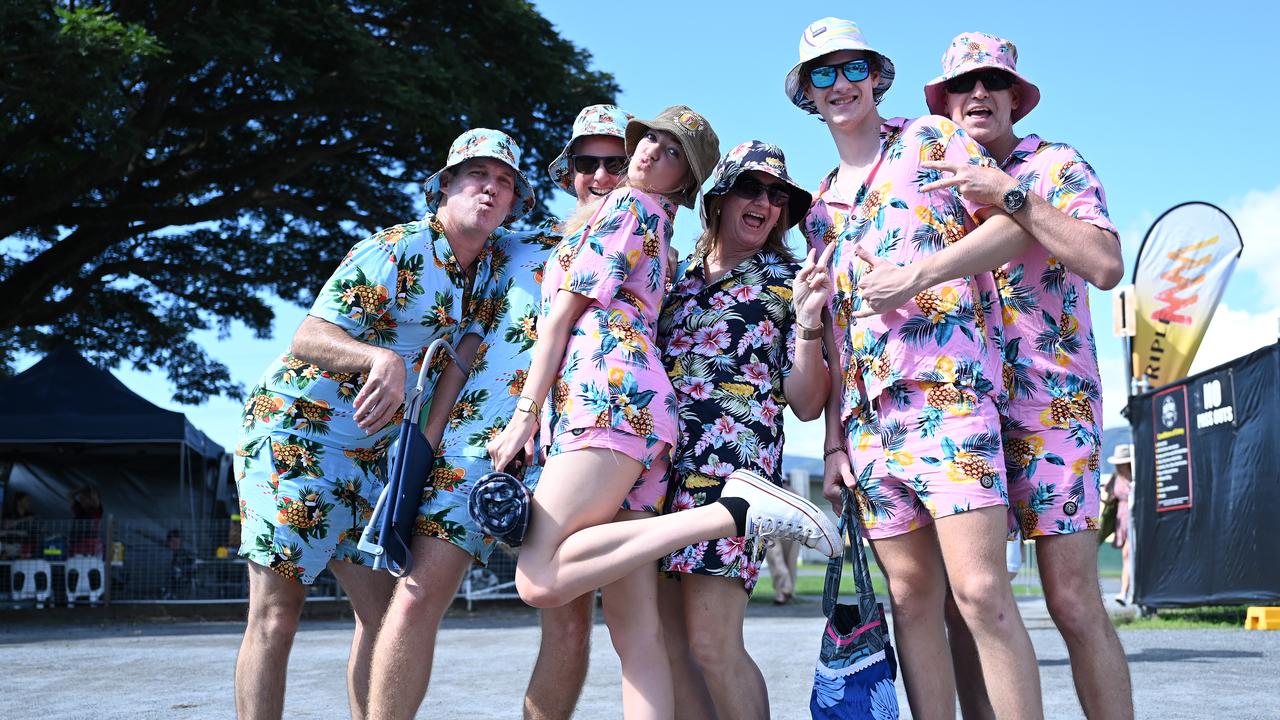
(1120, 487)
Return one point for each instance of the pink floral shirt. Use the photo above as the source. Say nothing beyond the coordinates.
(1049, 347)
(949, 333)
(612, 374)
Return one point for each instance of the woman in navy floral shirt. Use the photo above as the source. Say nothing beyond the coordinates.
(743, 339)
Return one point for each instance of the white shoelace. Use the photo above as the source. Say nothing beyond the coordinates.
(767, 529)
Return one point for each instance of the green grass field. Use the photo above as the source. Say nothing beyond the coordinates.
(1210, 617)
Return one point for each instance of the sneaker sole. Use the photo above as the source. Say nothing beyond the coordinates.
(795, 501)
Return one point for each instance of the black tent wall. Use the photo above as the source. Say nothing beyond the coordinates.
(1208, 532)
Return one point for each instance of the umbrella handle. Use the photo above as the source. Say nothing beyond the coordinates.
(366, 542)
(413, 406)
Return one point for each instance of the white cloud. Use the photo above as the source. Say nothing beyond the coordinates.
(1233, 333)
(1257, 215)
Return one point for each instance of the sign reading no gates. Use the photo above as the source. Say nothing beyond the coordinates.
(1206, 486)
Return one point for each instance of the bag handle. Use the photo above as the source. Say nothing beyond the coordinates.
(849, 526)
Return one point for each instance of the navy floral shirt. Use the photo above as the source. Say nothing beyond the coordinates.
(727, 346)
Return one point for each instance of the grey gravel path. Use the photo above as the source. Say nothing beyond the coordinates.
(483, 661)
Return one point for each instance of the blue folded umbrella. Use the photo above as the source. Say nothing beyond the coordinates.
(390, 531)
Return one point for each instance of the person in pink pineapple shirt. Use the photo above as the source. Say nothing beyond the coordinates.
(1051, 432)
(915, 432)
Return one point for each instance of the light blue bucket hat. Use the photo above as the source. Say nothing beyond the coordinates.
(485, 143)
(607, 120)
(826, 36)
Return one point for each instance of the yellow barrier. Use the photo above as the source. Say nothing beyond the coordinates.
(1262, 618)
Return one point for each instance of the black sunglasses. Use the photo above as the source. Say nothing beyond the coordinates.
(750, 189)
(992, 80)
(587, 164)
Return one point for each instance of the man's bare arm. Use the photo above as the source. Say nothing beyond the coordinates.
(1084, 248)
(447, 389)
(322, 343)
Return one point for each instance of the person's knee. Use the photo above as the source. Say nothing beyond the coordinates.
(537, 593)
(711, 646)
(1077, 614)
(416, 601)
(983, 599)
(275, 615)
(916, 594)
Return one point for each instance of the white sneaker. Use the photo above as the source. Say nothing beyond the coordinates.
(777, 513)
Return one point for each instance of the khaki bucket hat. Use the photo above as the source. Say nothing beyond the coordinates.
(700, 143)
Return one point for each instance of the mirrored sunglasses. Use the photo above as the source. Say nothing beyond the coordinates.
(824, 76)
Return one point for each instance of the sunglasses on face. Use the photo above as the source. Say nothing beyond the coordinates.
(750, 189)
(992, 80)
(587, 164)
(824, 76)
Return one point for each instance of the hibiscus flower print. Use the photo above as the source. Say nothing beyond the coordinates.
(727, 429)
(716, 469)
(695, 387)
(720, 301)
(731, 550)
(681, 342)
(712, 341)
(682, 501)
(757, 373)
(745, 293)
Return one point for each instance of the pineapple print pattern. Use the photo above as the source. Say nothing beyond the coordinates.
(1054, 478)
(892, 219)
(1046, 316)
(487, 401)
(907, 477)
(619, 260)
(306, 474)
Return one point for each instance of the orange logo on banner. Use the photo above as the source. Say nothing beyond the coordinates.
(1183, 260)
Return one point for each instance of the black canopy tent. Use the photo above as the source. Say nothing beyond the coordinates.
(65, 424)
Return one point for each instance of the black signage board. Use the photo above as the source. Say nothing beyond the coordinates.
(1207, 485)
(1172, 449)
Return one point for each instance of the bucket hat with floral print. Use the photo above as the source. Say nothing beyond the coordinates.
(607, 120)
(826, 36)
(485, 143)
(766, 158)
(978, 51)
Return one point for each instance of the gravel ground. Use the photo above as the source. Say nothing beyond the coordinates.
(184, 670)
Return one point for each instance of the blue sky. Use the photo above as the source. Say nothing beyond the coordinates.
(1163, 99)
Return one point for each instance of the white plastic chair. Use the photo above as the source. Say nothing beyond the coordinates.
(85, 574)
(31, 580)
